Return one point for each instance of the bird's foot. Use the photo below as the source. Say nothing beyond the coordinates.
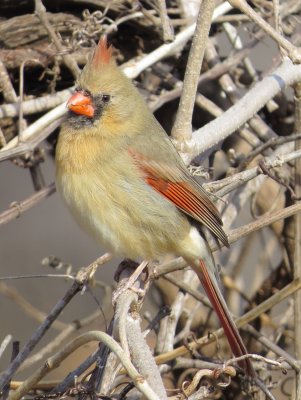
(127, 280)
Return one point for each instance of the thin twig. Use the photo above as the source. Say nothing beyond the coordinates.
(26, 307)
(275, 141)
(168, 34)
(5, 342)
(293, 52)
(18, 208)
(186, 287)
(233, 236)
(68, 60)
(6, 86)
(226, 185)
(265, 220)
(60, 338)
(169, 325)
(82, 278)
(21, 122)
(15, 352)
(273, 347)
(62, 386)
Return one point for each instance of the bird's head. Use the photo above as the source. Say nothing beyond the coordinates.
(102, 91)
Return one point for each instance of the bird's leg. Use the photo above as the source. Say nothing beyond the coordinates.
(129, 284)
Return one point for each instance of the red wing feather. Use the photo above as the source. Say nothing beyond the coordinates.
(183, 191)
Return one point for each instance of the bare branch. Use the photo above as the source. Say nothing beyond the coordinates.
(182, 128)
(219, 129)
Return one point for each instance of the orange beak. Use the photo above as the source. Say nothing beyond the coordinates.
(81, 104)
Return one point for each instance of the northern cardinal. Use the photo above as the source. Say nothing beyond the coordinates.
(126, 185)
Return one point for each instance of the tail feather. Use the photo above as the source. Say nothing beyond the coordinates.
(216, 298)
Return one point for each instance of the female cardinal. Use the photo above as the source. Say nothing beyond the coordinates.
(126, 185)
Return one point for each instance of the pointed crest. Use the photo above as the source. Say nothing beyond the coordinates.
(103, 53)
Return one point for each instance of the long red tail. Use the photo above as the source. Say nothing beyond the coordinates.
(220, 307)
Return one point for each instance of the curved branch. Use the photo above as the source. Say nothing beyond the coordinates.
(54, 361)
(219, 129)
(127, 324)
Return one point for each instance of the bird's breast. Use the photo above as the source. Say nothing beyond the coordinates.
(110, 200)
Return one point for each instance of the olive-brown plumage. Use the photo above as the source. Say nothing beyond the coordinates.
(126, 185)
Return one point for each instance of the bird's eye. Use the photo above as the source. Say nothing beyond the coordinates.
(106, 98)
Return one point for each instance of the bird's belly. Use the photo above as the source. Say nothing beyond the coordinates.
(118, 220)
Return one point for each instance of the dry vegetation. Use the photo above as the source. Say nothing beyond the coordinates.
(242, 121)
